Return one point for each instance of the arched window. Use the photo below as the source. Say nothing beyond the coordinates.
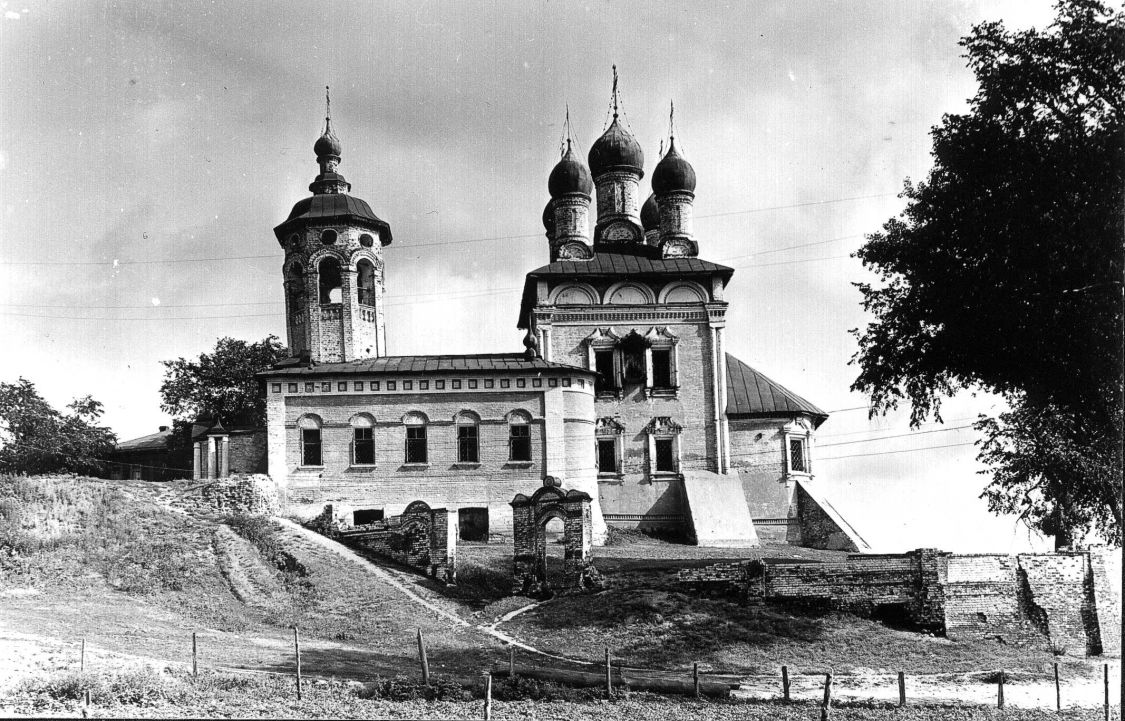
(365, 281)
(519, 436)
(416, 451)
(468, 437)
(329, 272)
(309, 428)
(363, 440)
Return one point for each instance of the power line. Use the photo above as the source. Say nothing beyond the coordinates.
(902, 450)
(155, 261)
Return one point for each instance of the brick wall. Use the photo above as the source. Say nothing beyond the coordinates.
(252, 494)
(817, 528)
(421, 537)
(1069, 599)
(248, 453)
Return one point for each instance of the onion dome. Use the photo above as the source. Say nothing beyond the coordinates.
(673, 172)
(616, 149)
(549, 216)
(328, 143)
(650, 214)
(569, 176)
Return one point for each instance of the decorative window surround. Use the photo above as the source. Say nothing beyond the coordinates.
(797, 435)
(608, 430)
(663, 430)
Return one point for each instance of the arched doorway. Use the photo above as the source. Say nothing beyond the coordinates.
(538, 518)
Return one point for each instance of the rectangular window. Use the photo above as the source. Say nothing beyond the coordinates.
(536, 382)
(472, 385)
(292, 387)
(276, 387)
(553, 382)
(416, 444)
(374, 385)
(439, 385)
(665, 455)
(662, 369)
(468, 445)
(357, 386)
(310, 387)
(505, 383)
(607, 455)
(521, 383)
(797, 462)
(519, 443)
(456, 385)
(326, 387)
(488, 383)
(607, 378)
(423, 385)
(361, 517)
(408, 385)
(566, 383)
(363, 449)
(390, 385)
(342, 386)
(310, 446)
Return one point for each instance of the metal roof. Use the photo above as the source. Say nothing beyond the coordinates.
(749, 393)
(331, 206)
(152, 442)
(478, 362)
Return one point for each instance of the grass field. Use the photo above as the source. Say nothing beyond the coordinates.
(112, 563)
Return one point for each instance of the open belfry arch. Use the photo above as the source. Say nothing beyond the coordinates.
(624, 387)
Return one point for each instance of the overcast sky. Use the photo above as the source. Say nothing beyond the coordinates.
(148, 149)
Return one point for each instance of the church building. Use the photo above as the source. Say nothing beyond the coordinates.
(624, 389)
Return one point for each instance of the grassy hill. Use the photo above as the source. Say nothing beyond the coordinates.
(118, 564)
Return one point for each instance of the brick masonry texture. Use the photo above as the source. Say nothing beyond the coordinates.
(530, 516)
(422, 537)
(1071, 599)
(253, 494)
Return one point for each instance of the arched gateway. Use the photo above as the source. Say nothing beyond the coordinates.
(530, 517)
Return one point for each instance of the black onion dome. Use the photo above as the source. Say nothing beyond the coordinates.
(673, 172)
(549, 216)
(650, 214)
(569, 176)
(328, 143)
(617, 148)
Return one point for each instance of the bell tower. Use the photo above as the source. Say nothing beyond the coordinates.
(334, 269)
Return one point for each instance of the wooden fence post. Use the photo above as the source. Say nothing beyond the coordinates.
(194, 657)
(785, 683)
(82, 657)
(901, 688)
(695, 676)
(422, 659)
(297, 648)
(1000, 691)
(608, 675)
(512, 662)
(1058, 691)
(488, 697)
(826, 707)
(1106, 672)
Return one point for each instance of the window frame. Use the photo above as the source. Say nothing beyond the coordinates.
(415, 438)
(465, 442)
(306, 444)
(663, 429)
(608, 430)
(369, 442)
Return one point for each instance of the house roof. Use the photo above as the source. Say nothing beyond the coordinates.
(607, 264)
(477, 362)
(751, 394)
(152, 442)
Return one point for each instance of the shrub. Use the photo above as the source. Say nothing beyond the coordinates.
(400, 688)
(524, 688)
(140, 686)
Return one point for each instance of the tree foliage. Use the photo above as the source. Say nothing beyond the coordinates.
(221, 384)
(1004, 272)
(36, 438)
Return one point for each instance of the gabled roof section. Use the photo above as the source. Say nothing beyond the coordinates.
(618, 265)
(479, 362)
(151, 442)
(752, 395)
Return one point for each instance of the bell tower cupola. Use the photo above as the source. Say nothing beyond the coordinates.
(673, 185)
(333, 272)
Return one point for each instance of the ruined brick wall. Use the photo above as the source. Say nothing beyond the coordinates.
(982, 597)
(724, 579)
(1058, 599)
(422, 537)
(253, 494)
(817, 528)
(861, 583)
(1105, 569)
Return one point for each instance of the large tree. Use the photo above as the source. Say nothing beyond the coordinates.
(1004, 272)
(36, 438)
(221, 384)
